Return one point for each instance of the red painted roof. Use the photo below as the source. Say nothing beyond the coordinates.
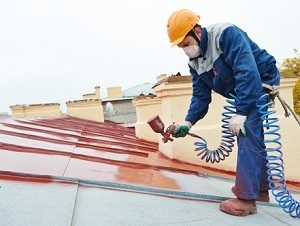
(92, 165)
(78, 148)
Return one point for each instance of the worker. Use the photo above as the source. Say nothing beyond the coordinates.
(223, 59)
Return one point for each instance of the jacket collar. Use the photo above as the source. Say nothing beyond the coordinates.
(203, 45)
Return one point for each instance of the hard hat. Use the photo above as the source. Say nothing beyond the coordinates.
(180, 23)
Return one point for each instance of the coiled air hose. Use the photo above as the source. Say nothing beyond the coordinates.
(227, 141)
(275, 171)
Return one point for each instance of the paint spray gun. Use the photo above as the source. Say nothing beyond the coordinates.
(158, 126)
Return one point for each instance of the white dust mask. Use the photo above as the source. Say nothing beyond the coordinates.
(192, 51)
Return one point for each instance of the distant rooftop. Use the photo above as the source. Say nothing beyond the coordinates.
(137, 90)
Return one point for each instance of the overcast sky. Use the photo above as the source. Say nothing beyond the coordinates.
(58, 50)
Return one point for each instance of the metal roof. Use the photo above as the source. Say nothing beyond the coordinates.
(71, 171)
(144, 89)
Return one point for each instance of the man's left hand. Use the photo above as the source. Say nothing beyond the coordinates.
(237, 124)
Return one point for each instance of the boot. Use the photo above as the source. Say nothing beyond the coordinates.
(239, 207)
(262, 197)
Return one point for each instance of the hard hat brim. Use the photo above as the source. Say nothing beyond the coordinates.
(177, 41)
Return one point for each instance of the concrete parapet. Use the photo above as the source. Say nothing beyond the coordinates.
(87, 109)
(146, 106)
(36, 110)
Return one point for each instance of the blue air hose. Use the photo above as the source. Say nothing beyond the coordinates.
(275, 171)
(227, 141)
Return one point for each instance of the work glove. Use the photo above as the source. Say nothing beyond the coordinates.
(182, 130)
(237, 124)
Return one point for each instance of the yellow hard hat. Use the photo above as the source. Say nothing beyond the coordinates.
(180, 23)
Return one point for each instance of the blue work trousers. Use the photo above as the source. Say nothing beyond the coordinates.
(251, 171)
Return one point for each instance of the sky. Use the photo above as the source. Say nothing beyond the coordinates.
(54, 51)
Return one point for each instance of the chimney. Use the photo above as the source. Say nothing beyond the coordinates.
(114, 92)
(97, 92)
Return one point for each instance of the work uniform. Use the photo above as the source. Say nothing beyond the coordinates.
(231, 63)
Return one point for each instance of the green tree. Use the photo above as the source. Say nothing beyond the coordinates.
(290, 67)
(296, 96)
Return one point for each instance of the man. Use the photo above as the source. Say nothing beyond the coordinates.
(224, 59)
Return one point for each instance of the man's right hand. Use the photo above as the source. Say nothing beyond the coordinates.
(182, 130)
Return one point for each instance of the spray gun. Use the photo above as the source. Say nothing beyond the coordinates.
(158, 126)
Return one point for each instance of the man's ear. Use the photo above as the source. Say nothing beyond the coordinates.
(198, 31)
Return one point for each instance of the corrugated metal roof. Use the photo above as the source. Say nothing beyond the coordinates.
(71, 171)
(137, 90)
(78, 148)
(141, 89)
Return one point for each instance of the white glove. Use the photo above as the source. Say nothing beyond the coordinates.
(237, 124)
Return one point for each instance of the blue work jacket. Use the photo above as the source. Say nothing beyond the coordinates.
(230, 62)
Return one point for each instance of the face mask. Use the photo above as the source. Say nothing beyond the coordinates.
(192, 51)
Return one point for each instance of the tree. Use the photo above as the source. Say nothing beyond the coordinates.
(290, 67)
(296, 96)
